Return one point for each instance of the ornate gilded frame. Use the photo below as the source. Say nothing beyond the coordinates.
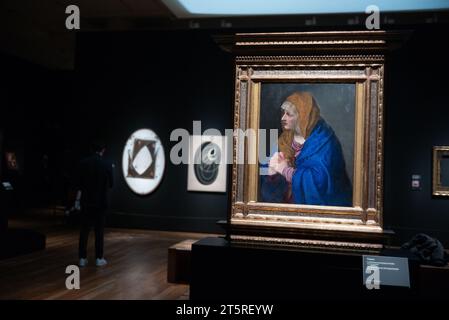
(311, 57)
(437, 188)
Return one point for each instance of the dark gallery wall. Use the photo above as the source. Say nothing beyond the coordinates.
(417, 118)
(36, 105)
(165, 80)
(161, 81)
(122, 82)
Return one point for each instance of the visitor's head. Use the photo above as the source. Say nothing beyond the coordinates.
(98, 147)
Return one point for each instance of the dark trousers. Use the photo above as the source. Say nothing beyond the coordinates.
(92, 217)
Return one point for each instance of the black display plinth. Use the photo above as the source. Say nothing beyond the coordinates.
(4, 209)
(3, 223)
(15, 242)
(222, 270)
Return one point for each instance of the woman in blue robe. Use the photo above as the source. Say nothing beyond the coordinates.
(309, 167)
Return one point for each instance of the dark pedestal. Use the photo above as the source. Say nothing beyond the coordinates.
(227, 271)
(434, 282)
(3, 223)
(20, 241)
(179, 257)
(15, 242)
(4, 210)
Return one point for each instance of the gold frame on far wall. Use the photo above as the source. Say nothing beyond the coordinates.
(310, 58)
(437, 188)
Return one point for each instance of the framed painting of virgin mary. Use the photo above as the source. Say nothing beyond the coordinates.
(308, 153)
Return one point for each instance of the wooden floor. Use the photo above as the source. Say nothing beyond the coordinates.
(137, 265)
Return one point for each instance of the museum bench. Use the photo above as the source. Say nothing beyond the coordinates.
(179, 257)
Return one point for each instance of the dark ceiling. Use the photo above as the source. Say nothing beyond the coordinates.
(35, 29)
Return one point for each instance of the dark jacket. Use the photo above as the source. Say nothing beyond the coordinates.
(429, 250)
(95, 178)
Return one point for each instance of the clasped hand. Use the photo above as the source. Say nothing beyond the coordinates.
(277, 163)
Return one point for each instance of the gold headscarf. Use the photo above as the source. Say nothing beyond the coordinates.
(308, 116)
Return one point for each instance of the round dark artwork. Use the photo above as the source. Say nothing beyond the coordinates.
(206, 163)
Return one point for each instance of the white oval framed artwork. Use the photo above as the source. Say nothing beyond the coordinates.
(143, 161)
